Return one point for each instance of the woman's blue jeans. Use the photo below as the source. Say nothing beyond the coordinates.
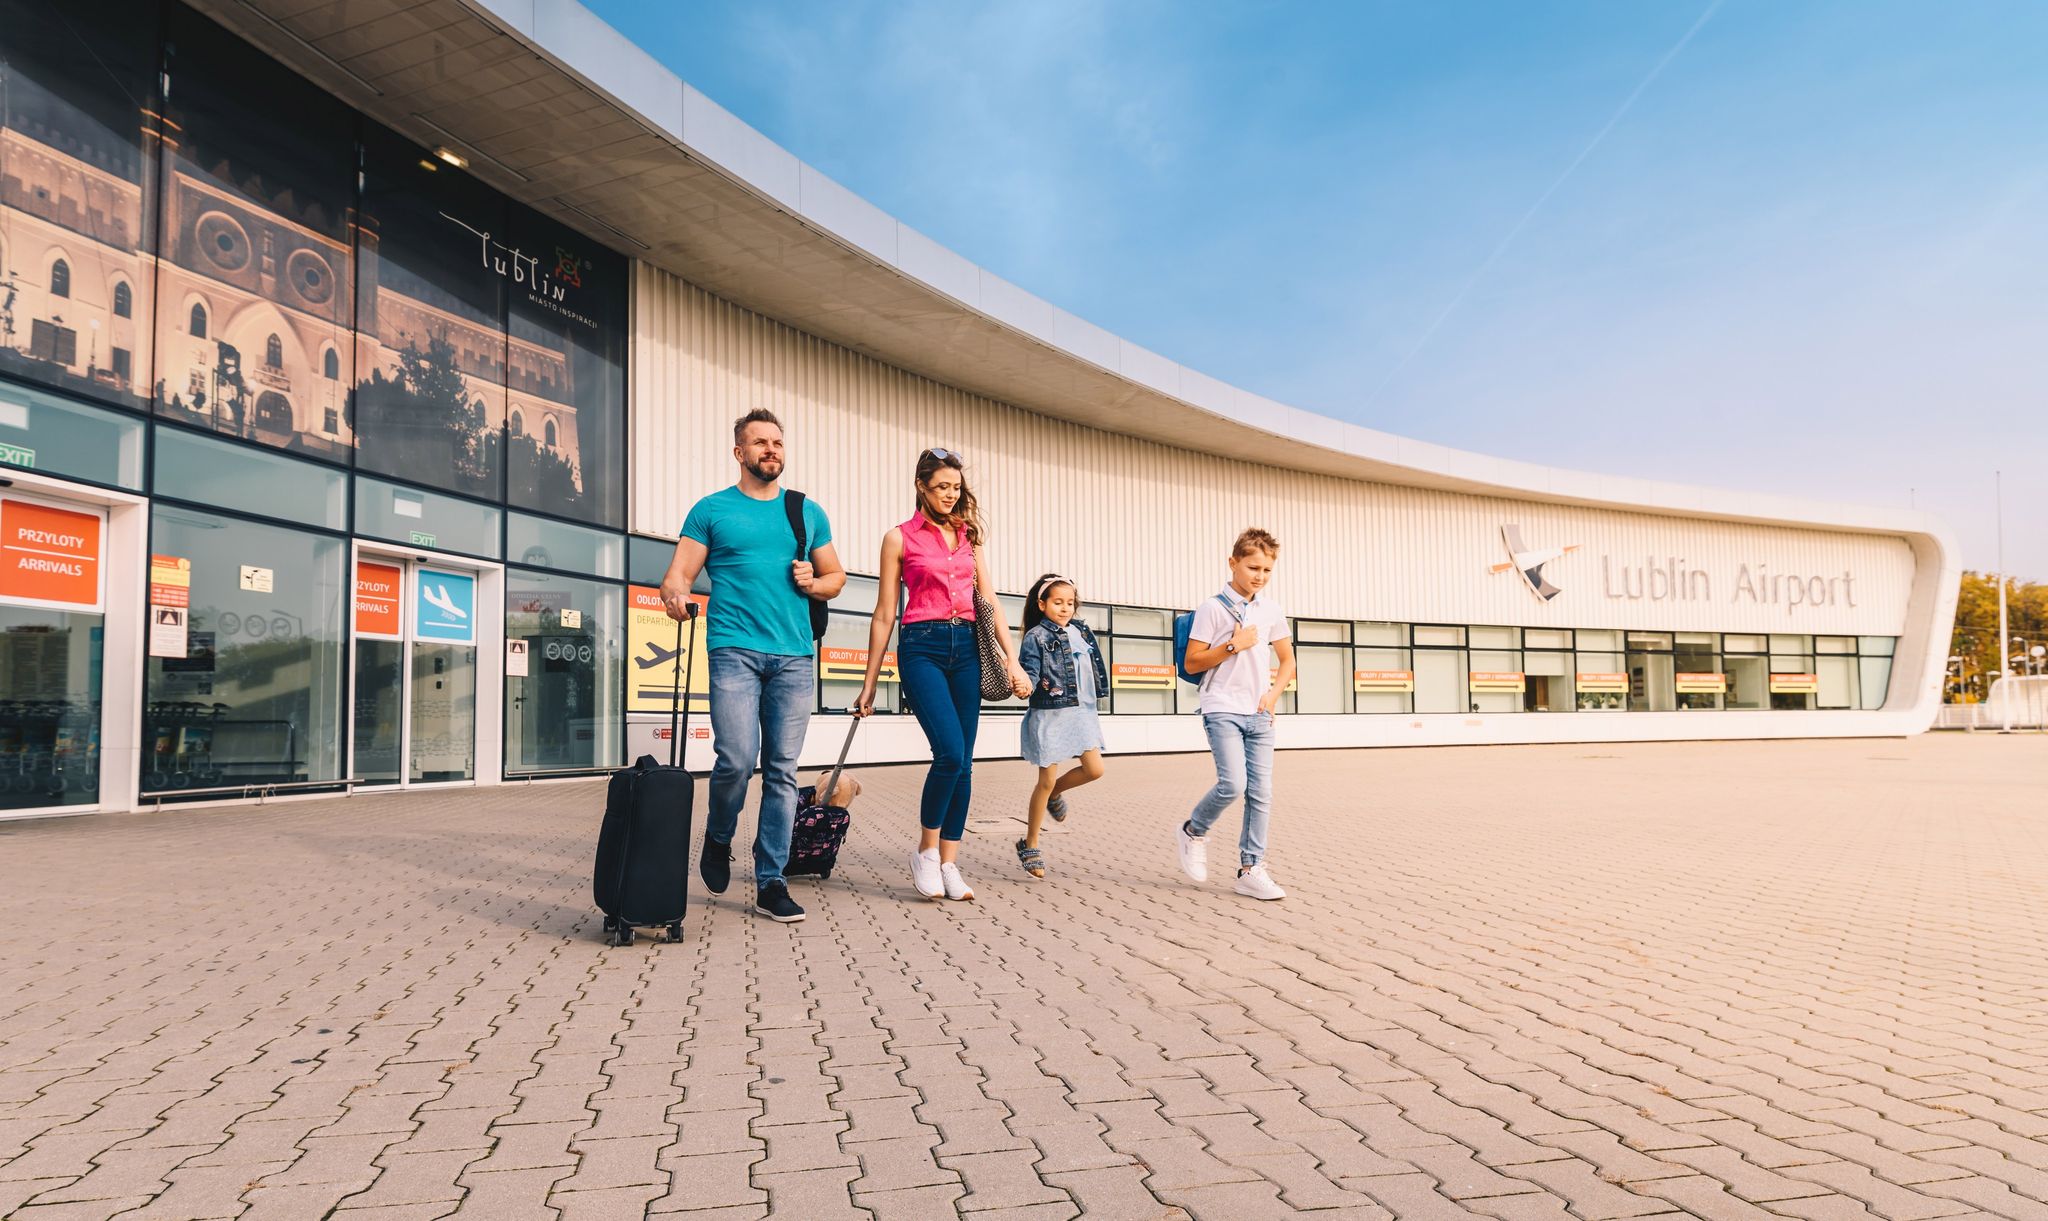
(942, 678)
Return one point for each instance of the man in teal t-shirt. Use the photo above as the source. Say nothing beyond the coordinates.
(763, 659)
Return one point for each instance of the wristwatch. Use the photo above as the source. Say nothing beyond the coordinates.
(1230, 646)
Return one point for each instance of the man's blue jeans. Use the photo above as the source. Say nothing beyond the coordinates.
(760, 707)
(1243, 747)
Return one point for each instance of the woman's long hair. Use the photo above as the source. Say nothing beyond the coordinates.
(1041, 589)
(966, 511)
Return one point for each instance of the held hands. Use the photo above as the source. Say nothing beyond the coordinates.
(1020, 683)
(1246, 636)
(804, 575)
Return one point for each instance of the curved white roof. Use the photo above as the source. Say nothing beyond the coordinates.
(555, 107)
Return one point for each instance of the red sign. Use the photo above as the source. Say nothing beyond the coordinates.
(170, 580)
(378, 589)
(49, 555)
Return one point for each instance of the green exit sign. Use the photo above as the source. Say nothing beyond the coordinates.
(420, 538)
(17, 455)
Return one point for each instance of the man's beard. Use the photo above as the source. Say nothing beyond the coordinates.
(760, 470)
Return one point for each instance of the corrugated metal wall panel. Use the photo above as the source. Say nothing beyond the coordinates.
(1138, 522)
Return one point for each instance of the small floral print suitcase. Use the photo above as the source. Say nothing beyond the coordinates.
(820, 830)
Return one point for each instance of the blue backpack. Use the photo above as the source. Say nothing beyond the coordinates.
(1183, 627)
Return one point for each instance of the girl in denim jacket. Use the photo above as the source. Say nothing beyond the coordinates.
(1064, 665)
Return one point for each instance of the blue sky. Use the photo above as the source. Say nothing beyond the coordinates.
(1797, 247)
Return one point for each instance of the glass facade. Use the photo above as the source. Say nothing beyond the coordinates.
(257, 697)
(291, 327)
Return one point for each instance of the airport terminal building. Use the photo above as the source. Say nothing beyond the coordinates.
(358, 363)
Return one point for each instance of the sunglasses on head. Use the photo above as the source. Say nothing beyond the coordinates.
(943, 455)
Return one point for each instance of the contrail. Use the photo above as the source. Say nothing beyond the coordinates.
(1542, 199)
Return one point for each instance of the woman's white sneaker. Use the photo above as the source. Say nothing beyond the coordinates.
(1194, 853)
(956, 886)
(1258, 884)
(924, 873)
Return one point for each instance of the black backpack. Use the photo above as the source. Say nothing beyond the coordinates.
(793, 504)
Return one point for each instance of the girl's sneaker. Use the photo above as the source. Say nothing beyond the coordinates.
(1056, 806)
(956, 886)
(924, 873)
(1258, 884)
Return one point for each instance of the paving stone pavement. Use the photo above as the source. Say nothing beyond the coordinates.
(1735, 980)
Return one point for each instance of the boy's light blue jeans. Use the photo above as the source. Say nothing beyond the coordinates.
(760, 707)
(1243, 748)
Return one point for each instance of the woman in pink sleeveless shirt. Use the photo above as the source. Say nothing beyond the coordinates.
(936, 557)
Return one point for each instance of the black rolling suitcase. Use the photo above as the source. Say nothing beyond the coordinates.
(642, 877)
(820, 830)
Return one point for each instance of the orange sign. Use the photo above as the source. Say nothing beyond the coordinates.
(1497, 680)
(49, 555)
(1602, 681)
(1702, 684)
(1794, 684)
(1383, 680)
(1142, 677)
(378, 588)
(170, 580)
(844, 665)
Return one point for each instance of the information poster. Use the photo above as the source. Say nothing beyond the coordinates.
(653, 657)
(168, 635)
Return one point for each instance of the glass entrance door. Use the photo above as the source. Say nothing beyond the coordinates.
(52, 630)
(416, 672)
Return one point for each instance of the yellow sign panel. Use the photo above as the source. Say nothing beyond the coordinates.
(651, 656)
(851, 665)
(1794, 684)
(1383, 680)
(1613, 683)
(1702, 684)
(1496, 680)
(1131, 676)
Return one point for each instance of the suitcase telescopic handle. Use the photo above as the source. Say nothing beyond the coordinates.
(831, 786)
(676, 707)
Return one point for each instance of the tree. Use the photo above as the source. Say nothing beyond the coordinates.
(420, 424)
(1975, 639)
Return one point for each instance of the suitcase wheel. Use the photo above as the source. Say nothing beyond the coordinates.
(675, 931)
(617, 932)
(824, 875)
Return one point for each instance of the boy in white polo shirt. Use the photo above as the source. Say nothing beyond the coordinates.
(1234, 638)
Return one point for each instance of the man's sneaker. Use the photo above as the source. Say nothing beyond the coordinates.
(1194, 853)
(956, 886)
(924, 873)
(1258, 884)
(714, 865)
(774, 902)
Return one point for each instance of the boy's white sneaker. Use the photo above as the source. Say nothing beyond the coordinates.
(956, 886)
(1258, 884)
(924, 873)
(1194, 852)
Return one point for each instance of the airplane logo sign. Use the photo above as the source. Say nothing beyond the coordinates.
(445, 606)
(1528, 562)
